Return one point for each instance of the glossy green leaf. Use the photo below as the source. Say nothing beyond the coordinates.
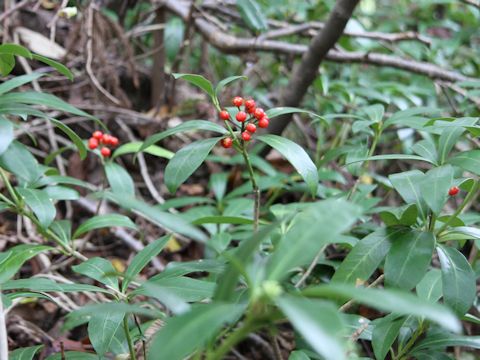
(73, 355)
(389, 157)
(18, 81)
(467, 160)
(221, 85)
(134, 147)
(385, 332)
(375, 112)
(185, 288)
(297, 156)
(19, 161)
(443, 339)
(26, 353)
(298, 355)
(14, 49)
(430, 287)
(61, 193)
(366, 256)
(173, 37)
(166, 220)
(435, 186)
(235, 220)
(181, 335)
(197, 80)
(98, 269)
(104, 221)
(278, 111)
(458, 279)
(72, 135)
(317, 225)
(409, 258)
(7, 63)
(400, 215)
(13, 259)
(427, 149)
(407, 185)
(448, 139)
(143, 258)
(47, 285)
(190, 125)
(399, 302)
(175, 269)
(6, 134)
(62, 69)
(186, 161)
(41, 205)
(57, 179)
(169, 299)
(318, 322)
(102, 328)
(119, 179)
(252, 14)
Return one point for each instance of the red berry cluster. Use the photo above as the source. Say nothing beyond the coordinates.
(99, 138)
(454, 190)
(250, 117)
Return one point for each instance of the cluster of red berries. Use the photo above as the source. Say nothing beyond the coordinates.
(98, 138)
(250, 117)
(454, 190)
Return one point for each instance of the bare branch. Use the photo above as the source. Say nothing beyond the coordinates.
(475, 3)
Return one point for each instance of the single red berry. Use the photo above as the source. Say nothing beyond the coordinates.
(114, 141)
(246, 136)
(454, 190)
(259, 113)
(251, 128)
(105, 139)
(250, 110)
(224, 115)
(249, 104)
(227, 143)
(263, 123)
(92, 143)
(237, 101)
(97, 135)
(241, 116)
(106, 152)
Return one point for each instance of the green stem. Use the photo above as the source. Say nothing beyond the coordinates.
(256, 190)
(410, 342)
(470, 196)
(9, 186)
(235, 337)
(126, 329)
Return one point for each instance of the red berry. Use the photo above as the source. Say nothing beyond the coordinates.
(246, 136)
(263, 123)
(97, 135)
(251, 128)
(259, 113)
(250, 110)
(227, 143)
(241, 116)
(114, 141)
(224, 115)
(92, 143)
(454, 190)
(237, 101)
(106, 152)
(105, 139)
(249, 104)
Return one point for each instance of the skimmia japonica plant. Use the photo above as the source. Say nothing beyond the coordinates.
(266, 267)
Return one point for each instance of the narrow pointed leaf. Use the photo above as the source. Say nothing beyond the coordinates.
(104, 221)
(41, 205)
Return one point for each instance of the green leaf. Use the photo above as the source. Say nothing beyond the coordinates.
(73, 355)
(55, 179)
(458, 280)
(430, 287)
(318, 322)
(61, 193)
(7, 63)
(385, 332)
(119, 179)
(134, 147)
(317, 225)
(435, 186)
(448, 139)
(218, 184)
(298, 355)
(399, 302)
(47, 285)
(20, 162)
(19, 81)
(278, 111)
(104, 221)
(166, 220)
(252, 14)
(220, 219)
(184, 288)
(98, 269)
(295, 154)
(102, 328)
(407, 185)
(227, 81)
(13, 259)
(171, 301)
(389, 157)
(402, 215)
(62, 69)
(173, 37)
(467, 160)
(199, 81)
(408, 259)
(443, 340)
(6, 134)
(375, 112)
(72, 135)
(181, 335)
(26, 353)
(366, 256)
(41, 205)
(143, 258)
(14, 49)
(186, 161)
(426, 148)
(190, 125)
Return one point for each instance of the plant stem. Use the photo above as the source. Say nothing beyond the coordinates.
(410, 342)
(3, 332)
(256, 190)
(470, 196)
(126, 329)
(9, 186)
(235, 337)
